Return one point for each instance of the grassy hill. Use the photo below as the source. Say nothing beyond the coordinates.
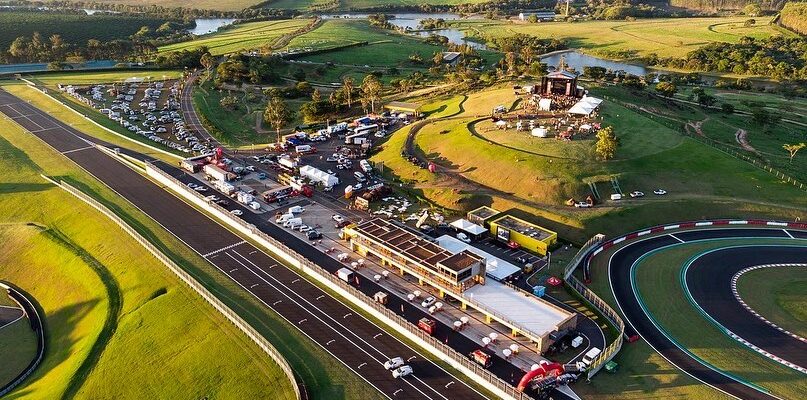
(794, 16)
(242, 37)
(119, 324)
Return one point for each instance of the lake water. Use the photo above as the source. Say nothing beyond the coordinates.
(411, 21)
(579, 60)
(210, 25)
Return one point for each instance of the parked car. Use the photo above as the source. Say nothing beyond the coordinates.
(428, 302)
(582, 204)
(463, 237)
(636, 194)
(338, 218)
(237, 212)
(314, 235)
(660, 192)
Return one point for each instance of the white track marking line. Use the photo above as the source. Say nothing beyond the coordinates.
(225, 248)
(787, 233)
(676, 238)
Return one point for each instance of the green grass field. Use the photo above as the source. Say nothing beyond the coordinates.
(779, 295)
(651, 155)
(17, 342)
(324, 376)
(51, 79)
(665, 37)
(790, 108)
(669, 306)
(242, 37)
(117, 328)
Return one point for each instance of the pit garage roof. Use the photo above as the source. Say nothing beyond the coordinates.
(495, 267)
(529, 312)
(468, 226)
(403, 242)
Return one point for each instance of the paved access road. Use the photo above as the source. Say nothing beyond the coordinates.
(624, 260)
(355, 341)
(192, 120)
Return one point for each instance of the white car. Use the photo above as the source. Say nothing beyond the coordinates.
(393, 363)
(338, 218)
(582, 204)
(237, 212)
(402, 371)
(304, 228)
(636, 194)
(463, 237)
(428, 302)
(660, 192)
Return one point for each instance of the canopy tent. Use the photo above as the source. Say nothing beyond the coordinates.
(468, 227)
(544, 104)
(319, 176)
(585, 106)
(539, 132)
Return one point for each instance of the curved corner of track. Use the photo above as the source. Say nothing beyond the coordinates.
(709, 280)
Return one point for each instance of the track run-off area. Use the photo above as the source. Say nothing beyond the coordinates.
(707, 260)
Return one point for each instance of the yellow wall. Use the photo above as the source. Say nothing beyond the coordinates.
(528, 243)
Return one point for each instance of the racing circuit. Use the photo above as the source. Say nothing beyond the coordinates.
(709, 280)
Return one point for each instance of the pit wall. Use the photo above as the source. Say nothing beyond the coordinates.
(437, 348)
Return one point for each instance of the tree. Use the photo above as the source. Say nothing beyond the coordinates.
(527, 53)
(437, 58)
(347, 88)
(207, 61)
(371, 89)
(752, 10)
(277, 114)
(229, 103)
(727, 108)
(666, 89)
(316, 96)
(794, 148)
(607, 143)
(510, 60)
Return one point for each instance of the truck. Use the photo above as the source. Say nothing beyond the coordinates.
(381, 297)
(218, 173)
(427, 325)
(296, 210)
(365, 166)
(244, 197)
(345, 275)
(591, 355)
(287, 162)
(293, 223)
(338, 128)
(305, 149)
(224, 187)
(481, 358)
(277, 194)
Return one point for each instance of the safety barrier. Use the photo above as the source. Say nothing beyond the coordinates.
(441, 350)
(254, 335)
(36, 325)
(595, 301)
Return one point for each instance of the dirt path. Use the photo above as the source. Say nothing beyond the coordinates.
(742, 138)
(696, 126)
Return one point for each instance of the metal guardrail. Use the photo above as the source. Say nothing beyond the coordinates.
(38, 327)
(254, 335)
(400, 321)
(595, 301)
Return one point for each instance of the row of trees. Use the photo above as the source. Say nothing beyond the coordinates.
(777, 57)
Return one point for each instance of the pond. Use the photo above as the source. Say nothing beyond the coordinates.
(579, 60)
(210, 25)
(411, 21)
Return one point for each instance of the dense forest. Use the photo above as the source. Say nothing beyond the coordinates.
(794, 17)
(776, 57)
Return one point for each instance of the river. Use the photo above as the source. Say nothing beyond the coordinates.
(578, 60)
(210, 25)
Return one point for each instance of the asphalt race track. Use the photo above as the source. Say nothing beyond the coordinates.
(709, 282)
(354, 340)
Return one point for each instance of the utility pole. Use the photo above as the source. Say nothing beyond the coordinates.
(567, 8)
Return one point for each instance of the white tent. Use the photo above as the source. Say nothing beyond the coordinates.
(544, 104)
(319, 176)
(539, 132)
(585, 106)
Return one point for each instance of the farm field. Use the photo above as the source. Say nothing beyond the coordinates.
(74, 28)
(324, 376)
(116, 328)
(779, 295)
(242, 37)
(624, 40)
(347, 5)
(385, 48)
(671, 309)
(651, 156)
